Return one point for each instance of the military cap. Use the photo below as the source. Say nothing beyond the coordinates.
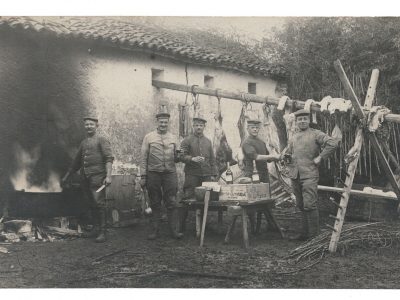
(301, 112)
(163, 112)
(253, 122)
(199, 117)
(91, 118)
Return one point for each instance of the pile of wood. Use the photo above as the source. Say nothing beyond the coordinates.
(365, 235)
(13, 231)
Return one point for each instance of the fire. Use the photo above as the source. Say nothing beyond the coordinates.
(26, 162)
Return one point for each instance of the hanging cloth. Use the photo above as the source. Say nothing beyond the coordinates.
(282, 102)
(376, 116)
(307, 108)
(324, 103)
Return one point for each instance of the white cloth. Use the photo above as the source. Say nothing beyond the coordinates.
(376, 116)
(339, 104)
(307, 108)
(282, 102)
(324, 103)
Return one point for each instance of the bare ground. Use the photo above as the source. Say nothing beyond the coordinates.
(166, 263)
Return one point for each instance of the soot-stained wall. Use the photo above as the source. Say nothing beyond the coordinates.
(41, 101)
(48, 85)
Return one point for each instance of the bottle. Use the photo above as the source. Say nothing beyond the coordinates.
(255, 178)
(228, 174)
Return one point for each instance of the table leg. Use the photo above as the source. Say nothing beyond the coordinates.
(198, 222)
(184, 212)
(244, 226)
(252, 216)
(205, 212)
(258, 224)
(220, 214)
(230, 230)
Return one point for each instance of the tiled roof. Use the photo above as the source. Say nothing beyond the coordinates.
(145, 37)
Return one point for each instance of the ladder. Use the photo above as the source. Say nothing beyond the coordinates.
(339, 219)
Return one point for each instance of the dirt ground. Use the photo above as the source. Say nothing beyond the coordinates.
(166, 263)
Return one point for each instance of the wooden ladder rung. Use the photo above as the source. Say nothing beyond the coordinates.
(334, 217)
(334, 202)
(331, 227)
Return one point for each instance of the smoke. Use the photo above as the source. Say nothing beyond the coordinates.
(24, 175)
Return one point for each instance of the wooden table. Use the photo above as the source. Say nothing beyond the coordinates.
(239, 209)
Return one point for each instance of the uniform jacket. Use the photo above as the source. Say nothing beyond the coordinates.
(93, 154)
(158, 152)
(194, 145)
(306, 145)
(253, 146)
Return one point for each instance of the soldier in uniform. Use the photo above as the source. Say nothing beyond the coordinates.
(198, 156)
(304, 148)
(254, 149)
(158, 173)
(94, 160)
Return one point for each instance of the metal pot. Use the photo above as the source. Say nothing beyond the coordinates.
(69, 202)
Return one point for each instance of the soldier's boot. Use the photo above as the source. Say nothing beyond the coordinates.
(313, 223)
(154, 225)
(101, 238)
(94, 232)
(172, 215)
(303, 235)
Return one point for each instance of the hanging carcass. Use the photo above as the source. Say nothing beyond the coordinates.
(222, 150)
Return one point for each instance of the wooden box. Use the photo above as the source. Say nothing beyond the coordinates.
(245, 192)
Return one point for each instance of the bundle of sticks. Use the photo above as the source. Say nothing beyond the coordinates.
(361, 235)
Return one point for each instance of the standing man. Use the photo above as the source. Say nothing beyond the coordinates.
(94, 160)
(304, 148)
(199, 159)
(254, 149)
(159, 176)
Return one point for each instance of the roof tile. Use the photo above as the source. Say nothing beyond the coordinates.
(159, 40)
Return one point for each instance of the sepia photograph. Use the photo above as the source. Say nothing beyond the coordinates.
(207, 152)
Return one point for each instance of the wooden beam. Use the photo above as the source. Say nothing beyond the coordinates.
(249, 97)
(354, 192)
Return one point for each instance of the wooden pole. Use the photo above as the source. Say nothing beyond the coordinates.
(246, 96)
(205, 212)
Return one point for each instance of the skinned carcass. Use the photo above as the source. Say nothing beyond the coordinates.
(222, 150)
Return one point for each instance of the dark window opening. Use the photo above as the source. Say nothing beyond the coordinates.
(252, 88)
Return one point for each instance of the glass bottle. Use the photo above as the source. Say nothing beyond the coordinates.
(228, 174)
(255, 178)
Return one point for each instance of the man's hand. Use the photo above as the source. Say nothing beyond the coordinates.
(143, 182)
(274, 157)
(317, 160)
(107, 180)
(198, 159)
(64, 180)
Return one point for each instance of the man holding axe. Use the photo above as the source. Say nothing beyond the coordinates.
(94, 160)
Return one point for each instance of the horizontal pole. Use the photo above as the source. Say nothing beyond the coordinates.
(298, 104)
(354, 192)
